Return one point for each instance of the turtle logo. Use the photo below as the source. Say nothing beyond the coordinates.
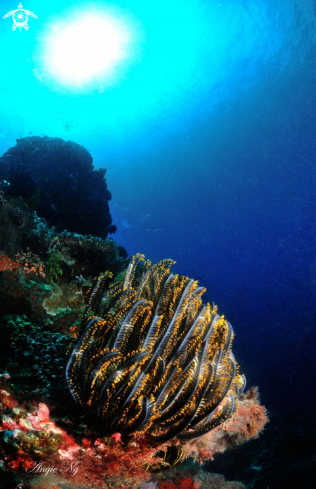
(20, 17)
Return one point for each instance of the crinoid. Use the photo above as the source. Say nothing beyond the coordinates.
(152, 358)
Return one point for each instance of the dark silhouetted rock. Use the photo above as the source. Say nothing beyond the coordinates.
(57, 179)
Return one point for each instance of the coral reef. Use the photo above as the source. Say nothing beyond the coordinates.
(30, 263)
(180, 484)
(35, 358)
(11, 236)
(57, 178)
(29, 286)
(53, 267)
(23, 293)
(7, 264)
(152, 359)
(72, 254)
(54, 306)
(35, 442)
(29, 438)
(150, 367)
(217, 481)
(203, 481)
(39, 426)
(65, 296)
(247, 423)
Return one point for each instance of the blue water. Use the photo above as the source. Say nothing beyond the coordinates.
(207, 129)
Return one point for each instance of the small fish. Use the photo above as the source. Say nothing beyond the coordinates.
(55, 208)
(156, 230)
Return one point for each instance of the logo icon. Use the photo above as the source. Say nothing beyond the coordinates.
(20, 17)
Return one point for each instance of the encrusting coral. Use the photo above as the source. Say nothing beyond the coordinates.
(247, 423)
(152, 358)
(63, 297)
(7, 264)
(217, 481)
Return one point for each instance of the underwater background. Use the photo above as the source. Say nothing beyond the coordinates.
(206, 126)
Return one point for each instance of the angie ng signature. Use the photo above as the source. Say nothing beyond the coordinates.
(43, 468)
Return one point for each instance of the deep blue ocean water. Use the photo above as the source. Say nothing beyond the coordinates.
(207, 128)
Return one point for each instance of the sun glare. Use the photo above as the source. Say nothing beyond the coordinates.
(88, 48)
